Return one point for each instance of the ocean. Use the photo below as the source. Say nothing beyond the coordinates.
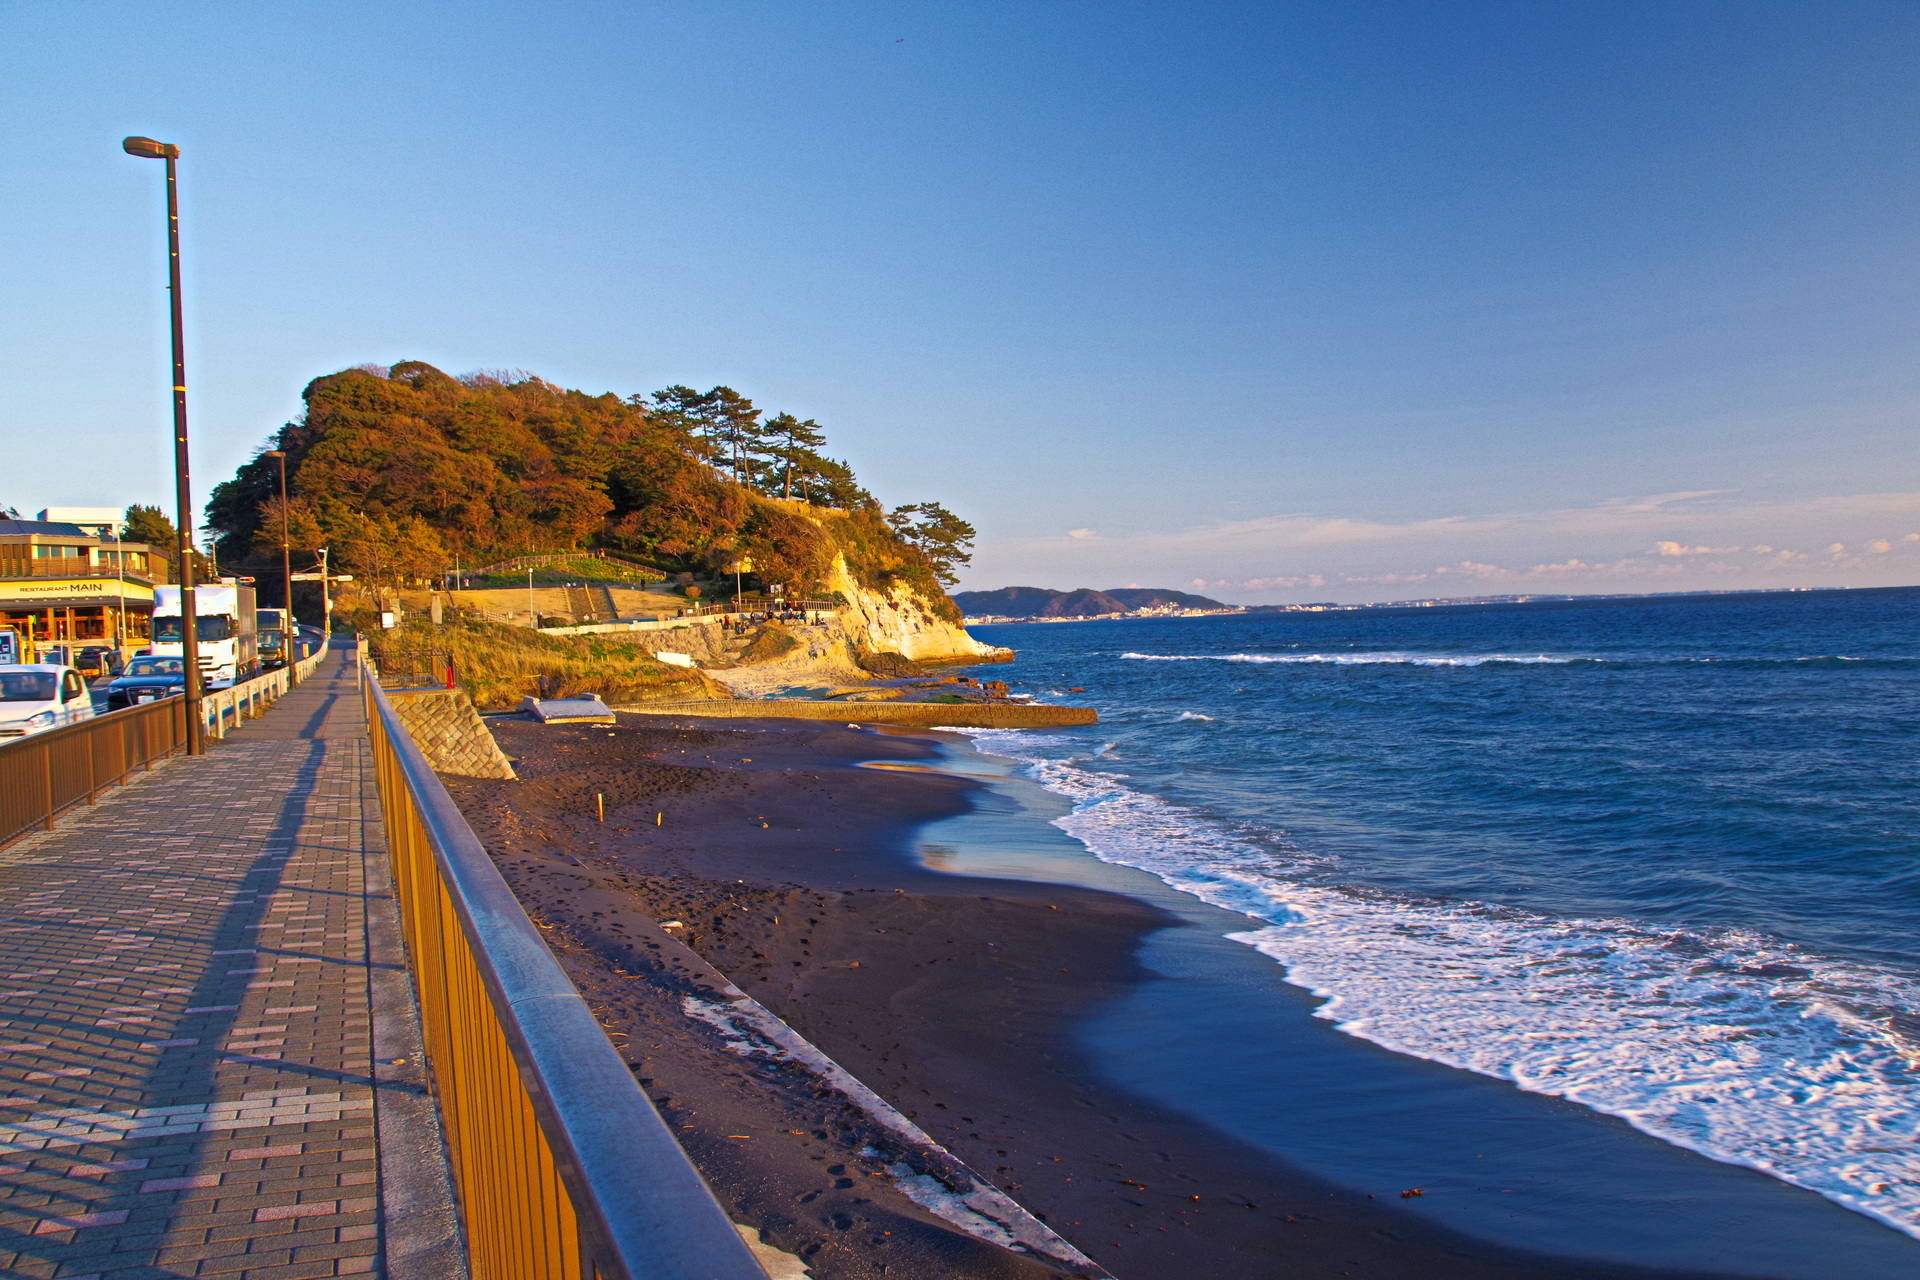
(1656, 858)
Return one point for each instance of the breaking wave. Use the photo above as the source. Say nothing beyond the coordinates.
(1739, 1046)
(1351, 659)
(1515, 659)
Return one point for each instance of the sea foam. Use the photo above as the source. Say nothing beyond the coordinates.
(1738, 1046)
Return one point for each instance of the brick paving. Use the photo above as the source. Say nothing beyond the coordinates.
(186, 1086)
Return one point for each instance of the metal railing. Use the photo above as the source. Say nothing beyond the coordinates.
(224, 709)
(415, 668)
(45, 774)
(564, 1170)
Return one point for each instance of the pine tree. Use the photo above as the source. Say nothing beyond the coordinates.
(944, 538)
(151, 526)
(793, 445)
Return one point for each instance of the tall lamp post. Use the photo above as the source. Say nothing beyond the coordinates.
(286, 554)
(148, 149)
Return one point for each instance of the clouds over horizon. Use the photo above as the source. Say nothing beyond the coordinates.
(1687, 540)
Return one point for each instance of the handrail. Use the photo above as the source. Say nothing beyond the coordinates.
(564, 1169)
(246, 699)
(44, 774)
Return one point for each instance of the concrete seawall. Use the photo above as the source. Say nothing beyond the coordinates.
(450, 733)
(966, 715)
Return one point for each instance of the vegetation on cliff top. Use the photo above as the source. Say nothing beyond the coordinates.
(498, 665)
(404, 473)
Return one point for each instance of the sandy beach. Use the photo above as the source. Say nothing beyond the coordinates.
(768, 850)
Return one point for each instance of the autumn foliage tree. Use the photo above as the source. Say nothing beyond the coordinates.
(405, 472)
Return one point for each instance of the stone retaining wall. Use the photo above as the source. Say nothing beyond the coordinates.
(450, 733)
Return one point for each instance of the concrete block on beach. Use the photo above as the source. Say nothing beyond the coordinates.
(965, 715)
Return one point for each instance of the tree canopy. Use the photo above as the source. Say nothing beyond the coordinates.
(407, 472)
(149, 525)
(942, 537)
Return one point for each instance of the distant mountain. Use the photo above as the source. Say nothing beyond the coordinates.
(1148, 597)
(1040, 602)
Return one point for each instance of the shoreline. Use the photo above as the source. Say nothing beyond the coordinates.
(958, 998)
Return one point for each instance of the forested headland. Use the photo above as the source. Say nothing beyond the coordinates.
(408, 472)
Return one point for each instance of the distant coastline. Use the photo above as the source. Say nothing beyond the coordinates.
(994, 620)
(1456, 602)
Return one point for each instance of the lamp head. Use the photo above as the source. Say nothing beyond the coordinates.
(148, 149)
(273, 453)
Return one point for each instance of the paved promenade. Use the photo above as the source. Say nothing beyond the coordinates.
(186, 1051)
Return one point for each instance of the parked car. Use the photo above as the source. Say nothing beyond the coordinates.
(147, 680)
(41, 695)
(98, 660)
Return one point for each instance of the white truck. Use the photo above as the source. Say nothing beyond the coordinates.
(276, 637)
(225, 629)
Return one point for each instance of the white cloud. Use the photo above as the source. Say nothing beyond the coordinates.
(1682, 549)
(1274, 584)
(1680, 540)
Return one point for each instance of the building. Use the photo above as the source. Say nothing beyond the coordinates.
(60, 584)
(105, 523)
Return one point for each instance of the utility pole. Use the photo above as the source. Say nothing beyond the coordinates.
(286, 553)
(148, 149)
(326, 603)
(120, 621)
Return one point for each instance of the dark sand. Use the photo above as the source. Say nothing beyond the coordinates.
(955, 998)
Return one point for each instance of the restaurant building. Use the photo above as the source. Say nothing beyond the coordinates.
(60, 584)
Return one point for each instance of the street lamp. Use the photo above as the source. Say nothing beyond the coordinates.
(148, 149)
(286, 554)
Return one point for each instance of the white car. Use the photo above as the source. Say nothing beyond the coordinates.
(39, 696)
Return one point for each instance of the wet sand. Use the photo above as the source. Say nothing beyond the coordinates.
(957, 998)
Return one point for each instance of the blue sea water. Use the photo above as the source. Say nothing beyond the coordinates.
(1655, 857)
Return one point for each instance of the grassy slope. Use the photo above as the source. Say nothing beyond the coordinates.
(498, 665)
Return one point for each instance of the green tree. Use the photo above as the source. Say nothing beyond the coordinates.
(792, 446)
(942, 537)
(150, 525)
(726, 423)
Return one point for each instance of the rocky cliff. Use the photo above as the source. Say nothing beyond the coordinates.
(898, 619)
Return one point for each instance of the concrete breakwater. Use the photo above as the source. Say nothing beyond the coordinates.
(447, 729)
(966, 715)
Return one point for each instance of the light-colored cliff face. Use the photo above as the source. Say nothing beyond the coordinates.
(899, 621)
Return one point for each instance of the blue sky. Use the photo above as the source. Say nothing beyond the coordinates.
(1299, 301)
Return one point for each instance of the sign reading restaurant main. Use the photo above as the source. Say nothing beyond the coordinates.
(74, 590)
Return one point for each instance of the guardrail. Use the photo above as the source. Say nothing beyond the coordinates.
(564, 1169)
(45, 774)
(224, 709)
(689, 617)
